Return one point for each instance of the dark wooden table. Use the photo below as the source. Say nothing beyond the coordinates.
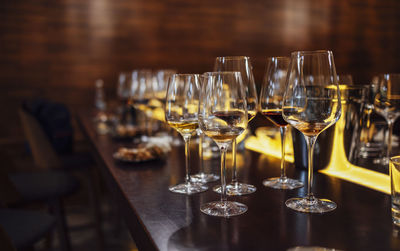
(162, 220)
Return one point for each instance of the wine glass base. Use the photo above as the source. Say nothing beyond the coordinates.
(223, 209)
(188, 188)
(204, 177)
(236, 189)
(311, 205)
(282, 183)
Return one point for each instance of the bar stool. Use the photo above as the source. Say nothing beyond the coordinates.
(46, 158)
(21, 229)
(23, 188)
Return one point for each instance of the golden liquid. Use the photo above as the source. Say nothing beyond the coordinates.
(311, 129)
(223, 136)
(185, 127)
(251, 115)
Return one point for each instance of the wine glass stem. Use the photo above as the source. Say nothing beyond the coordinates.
(187, 156)
(389, 142)
(234, 172)
(223, 173)
(283, 133)
(201, 140)
(310, 150)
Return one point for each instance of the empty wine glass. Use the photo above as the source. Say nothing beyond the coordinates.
(243, 65)
(271, 97)
(223, 117)
(387, 103)
(311, 104)
(181, 113)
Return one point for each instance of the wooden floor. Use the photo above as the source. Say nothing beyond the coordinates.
(57, 49)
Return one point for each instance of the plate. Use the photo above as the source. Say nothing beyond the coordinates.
(138, 155)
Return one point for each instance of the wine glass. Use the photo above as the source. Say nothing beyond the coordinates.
(223, 117)
(143, 85)
(202, 176)
(271, 97)
(311, 104)
(240, 64)
(181, 113)
(387, 103)
(124, 92)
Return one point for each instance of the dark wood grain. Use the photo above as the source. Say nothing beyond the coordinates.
(159, 219)
(57, 49)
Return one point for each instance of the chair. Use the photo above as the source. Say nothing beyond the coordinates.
(45, 157)
(19, 189)
(21, 229)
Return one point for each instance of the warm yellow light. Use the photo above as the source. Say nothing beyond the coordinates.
(341, 168)
(159, 114)
(268, 141)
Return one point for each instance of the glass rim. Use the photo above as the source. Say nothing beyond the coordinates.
(186, 74)
(231, 57)
(212, 73)
(302, 53)
(278, 57)
(395, 159)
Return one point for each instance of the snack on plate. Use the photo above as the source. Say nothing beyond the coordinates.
(139, 154)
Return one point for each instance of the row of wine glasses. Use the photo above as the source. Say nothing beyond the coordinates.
(220, 103)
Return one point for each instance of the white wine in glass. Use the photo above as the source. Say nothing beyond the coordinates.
(181, 113)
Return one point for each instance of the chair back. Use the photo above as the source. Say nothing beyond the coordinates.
(44, 154)
(5, 241)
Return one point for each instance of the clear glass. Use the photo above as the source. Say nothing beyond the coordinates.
(202, 176)
(223, 117)
(181, 113)
(143, 86)
(243, 65)
(387, 103)
(311, 104)
(124, 92)
(271, 96)
(395, 188)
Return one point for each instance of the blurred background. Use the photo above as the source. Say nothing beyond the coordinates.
(58, 49)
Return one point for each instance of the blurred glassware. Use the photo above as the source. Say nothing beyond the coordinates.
(271, 97)
(100, 105)
(387, 103)
(162, 77)
(371, 131)
(143, 86)
(243, 65)
(124, 92)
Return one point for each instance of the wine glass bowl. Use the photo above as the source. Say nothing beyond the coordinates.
(311, 104)
(271, 97)
(387, 103)
(181, 113)
(223, 117)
